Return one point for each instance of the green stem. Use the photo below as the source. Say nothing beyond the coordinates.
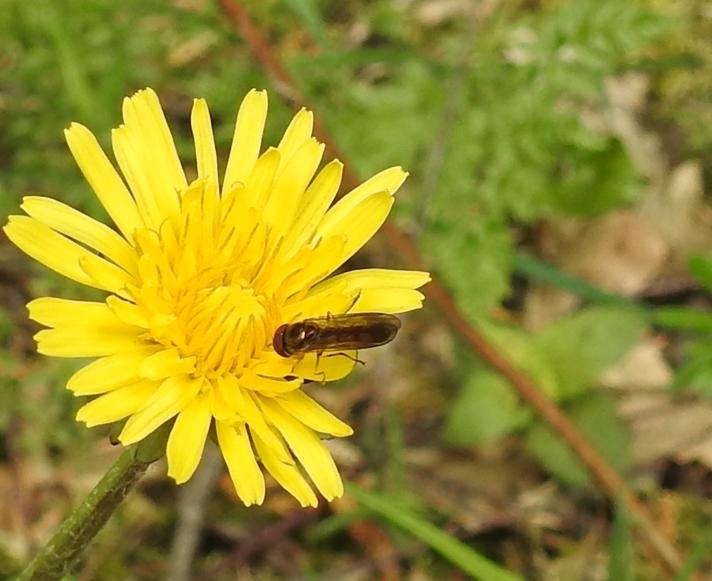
(76, 532)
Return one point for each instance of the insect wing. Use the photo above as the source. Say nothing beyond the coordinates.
(353, 331)
(336, 333)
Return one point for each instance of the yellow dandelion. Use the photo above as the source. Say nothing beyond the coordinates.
(199, 278)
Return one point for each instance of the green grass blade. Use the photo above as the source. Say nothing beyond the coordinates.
(541, 271)
(621, 561)
(458, 553)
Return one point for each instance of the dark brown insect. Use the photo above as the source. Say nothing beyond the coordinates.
(335, 333)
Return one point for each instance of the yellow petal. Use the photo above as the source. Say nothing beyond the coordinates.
(389, 180)
(361, 291)
(299, 130)
(336, 300)
(86, 341)
(287, 475)
(117, 404)
(314, 204)
(104, 179)
(129, 312)
(228, 399)
(359, 225)
(205, 155)
(131, 161)
(325, 366)
(56, 312)
(105, 275)
(166, 363)
(387, 300)
(156, 169)
(108, 373)
(240, 459)
(187, 439)
(312, 415)
(368, 278)
(289, 185)
(247, 138)
(51, 249)
(258, 426)
(157, 135)
(80, 227)
(254, 382)
(322, 260)
(309, 450)
(259, 183)
(167, 401)
(272, 365)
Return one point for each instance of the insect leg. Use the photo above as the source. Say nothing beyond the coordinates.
(350, 357)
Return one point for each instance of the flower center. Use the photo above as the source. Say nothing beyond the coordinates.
(200, 280)
(223, 326)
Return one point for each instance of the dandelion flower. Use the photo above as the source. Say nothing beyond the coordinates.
(199, 276)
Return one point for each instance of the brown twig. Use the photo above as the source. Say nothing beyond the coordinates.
(608, 480)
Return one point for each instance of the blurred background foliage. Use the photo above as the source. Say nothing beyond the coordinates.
(545, 140)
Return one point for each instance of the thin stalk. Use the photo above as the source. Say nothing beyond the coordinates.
(65, 547)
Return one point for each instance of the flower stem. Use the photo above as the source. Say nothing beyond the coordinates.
(66, 545)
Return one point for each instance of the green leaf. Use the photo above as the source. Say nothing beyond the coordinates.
(621, 560)
(585, 344)
(695, 374)
(593, 181)
(683, 318)
(522, 350)
(595, 416)
(455, 551)
(475, 258)
(486, 408)
(701, 267)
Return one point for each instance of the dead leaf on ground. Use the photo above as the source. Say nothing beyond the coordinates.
(621, 252)
(663, 423)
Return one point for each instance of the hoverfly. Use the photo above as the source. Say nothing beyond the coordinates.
(335, 333)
